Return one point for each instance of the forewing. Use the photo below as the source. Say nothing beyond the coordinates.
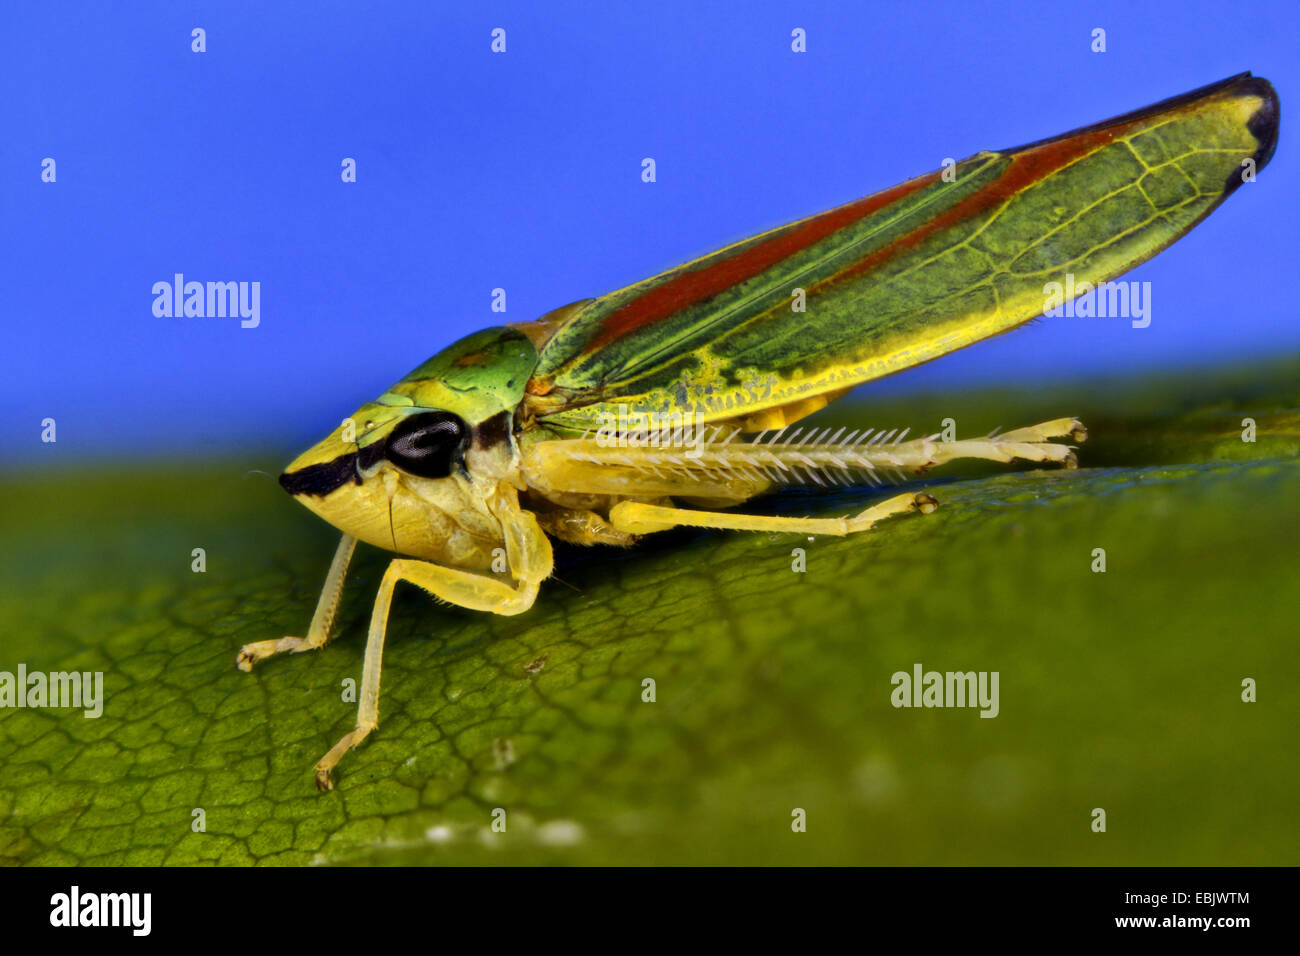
(907, 274)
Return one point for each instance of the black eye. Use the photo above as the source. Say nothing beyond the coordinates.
(426, 444)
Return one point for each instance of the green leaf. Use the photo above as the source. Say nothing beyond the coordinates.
(1119, 690)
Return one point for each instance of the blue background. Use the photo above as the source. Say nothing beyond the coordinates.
(522, 171)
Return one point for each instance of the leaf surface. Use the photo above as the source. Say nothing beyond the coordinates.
(1118, 690)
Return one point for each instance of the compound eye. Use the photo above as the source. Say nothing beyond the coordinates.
(426, 444)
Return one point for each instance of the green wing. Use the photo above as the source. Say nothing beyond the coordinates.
(905, 275)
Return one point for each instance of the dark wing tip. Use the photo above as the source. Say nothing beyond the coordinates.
(1264, 124)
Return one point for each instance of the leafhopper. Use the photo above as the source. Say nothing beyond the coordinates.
(674, 401)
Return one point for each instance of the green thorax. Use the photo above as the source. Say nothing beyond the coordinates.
(478, 377)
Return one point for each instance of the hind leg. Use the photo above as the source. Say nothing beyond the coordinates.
(639, 518)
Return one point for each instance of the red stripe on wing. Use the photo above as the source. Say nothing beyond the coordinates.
(1027, 167)
(691, 287)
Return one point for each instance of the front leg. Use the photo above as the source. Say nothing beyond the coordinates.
(529, 555)
(321, 622)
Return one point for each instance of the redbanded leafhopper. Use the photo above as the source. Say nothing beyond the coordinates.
(674, 401)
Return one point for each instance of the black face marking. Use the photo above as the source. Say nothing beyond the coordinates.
(495, 431)
(427, 445)
(368, 457)
(323, 478)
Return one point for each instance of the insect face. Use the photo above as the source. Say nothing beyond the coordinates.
(408, 472)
